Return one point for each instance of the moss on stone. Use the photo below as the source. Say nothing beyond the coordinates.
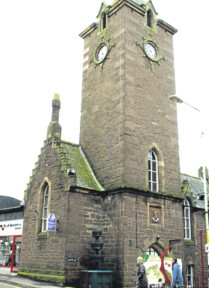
(43, 271)
(44, 277)
(76, 159)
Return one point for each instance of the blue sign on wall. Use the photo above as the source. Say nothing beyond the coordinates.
(51, 222)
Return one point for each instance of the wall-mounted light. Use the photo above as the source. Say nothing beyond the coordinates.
(200, 196)
(71, 172)
(157, 237)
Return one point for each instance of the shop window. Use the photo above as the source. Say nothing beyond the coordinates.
(10, 249)
(6, 251)
(45, 208)
(187, 219)
(152, 171)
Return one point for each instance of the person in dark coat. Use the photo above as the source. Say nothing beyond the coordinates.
(142, 281)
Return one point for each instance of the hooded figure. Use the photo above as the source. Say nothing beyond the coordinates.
(142, 281)
(177, 279)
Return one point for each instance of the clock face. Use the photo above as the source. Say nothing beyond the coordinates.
(151, 50)
(101, 53)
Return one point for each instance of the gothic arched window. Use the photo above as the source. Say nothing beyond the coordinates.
(150, 18)
(152, 171)
(45, 208)
(187, 219)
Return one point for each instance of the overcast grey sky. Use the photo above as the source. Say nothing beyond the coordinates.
(41, 54)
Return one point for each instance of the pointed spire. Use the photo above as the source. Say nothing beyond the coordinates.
(56, 107)
(54, 128)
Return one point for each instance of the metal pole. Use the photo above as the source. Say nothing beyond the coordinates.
(206, 203)
(202, 262)
(205, 196)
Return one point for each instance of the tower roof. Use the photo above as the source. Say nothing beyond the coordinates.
(140, 2)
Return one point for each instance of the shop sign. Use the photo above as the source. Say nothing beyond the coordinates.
(13, 227)
(51, 222)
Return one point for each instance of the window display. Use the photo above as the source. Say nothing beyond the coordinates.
(10, 247)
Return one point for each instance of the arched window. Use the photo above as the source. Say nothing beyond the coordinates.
(103, 21)
(149, 18)
(152, 171)
(187, 220)
(151, 251)
(45, 208)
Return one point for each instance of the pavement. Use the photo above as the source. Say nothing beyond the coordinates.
(25, 282)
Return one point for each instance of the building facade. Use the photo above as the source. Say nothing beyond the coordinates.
(11, 225)
(124, 176)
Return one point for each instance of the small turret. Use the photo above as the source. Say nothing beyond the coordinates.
(54, 128)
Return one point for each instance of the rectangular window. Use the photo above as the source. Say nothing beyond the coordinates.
(187, 223)
(189, 276)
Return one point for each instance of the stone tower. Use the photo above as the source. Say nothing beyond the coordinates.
(128, 123)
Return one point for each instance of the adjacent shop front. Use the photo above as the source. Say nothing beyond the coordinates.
(11, 225)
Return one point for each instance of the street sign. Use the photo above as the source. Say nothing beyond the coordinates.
(51, 222)
(207, 247)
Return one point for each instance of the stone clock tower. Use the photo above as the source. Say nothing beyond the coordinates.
(128, 124)
(123, 178)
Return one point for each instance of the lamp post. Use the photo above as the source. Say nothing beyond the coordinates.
(176, 99)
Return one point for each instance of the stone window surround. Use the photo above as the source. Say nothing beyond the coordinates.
(39, 233)
(187, 208)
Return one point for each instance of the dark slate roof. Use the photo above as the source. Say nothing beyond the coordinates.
(7, 202)
(197, 188)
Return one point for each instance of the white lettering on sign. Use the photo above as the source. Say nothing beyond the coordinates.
(13, 227)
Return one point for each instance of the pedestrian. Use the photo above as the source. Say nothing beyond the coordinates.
(177, 278)
(142, 281)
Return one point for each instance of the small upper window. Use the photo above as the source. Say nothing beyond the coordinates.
(103, 21)
(150, 18)
(187, 220)
(153, 171)
(45, 208)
